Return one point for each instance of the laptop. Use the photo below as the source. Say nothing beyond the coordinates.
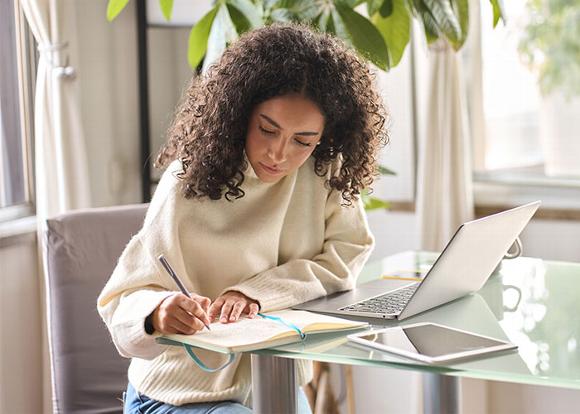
(462, 268)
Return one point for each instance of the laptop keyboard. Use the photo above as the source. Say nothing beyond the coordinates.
(389, 303)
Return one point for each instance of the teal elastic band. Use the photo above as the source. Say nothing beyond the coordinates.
(288, 324)
(189, 350)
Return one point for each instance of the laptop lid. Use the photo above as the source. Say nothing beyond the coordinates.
(469, 258)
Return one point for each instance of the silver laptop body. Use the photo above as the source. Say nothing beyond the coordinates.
(463, 267)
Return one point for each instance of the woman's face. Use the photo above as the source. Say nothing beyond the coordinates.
(282, 133)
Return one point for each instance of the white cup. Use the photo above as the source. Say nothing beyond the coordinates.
(514, 251)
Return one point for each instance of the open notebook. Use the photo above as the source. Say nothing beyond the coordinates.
(262, 332)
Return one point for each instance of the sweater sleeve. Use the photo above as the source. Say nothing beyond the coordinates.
(138, 283)
(131, 294)
(348, 243)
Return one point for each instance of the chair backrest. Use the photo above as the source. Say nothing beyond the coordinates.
(82, 249)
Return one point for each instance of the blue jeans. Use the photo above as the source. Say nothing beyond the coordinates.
(135, 403)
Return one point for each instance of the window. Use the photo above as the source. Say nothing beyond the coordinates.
(15, 112)
(531, 104)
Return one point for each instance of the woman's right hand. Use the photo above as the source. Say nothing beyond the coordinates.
(178, 314)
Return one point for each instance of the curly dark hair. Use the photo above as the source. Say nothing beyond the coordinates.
(210, 125)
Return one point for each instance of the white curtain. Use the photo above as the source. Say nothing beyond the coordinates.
(61, 173)
(445, 198)
(62, 181)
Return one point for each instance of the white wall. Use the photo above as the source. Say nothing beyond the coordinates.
(21, 343)
(105, 55)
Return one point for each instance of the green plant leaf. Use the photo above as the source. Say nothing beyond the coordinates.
(241, 23)
(339, 27)
(386, 171)
(431, 28)
(498, 11)
(373, 203)
(444, 15)
(386, 8)
(114, 7)
(365, 37)
(346, 3)
(198, 38)
(166, 8)
(281, 15)
(423, 14)
(252, 12)
(268, 4)
(395, 29)
(462, 10)
(373, 6)
(330, 24)
(222, 33)
(306, 10)
(323, 20)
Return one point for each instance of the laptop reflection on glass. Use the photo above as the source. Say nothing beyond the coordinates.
(462, 268)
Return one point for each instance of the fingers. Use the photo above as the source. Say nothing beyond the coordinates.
(177, 326)
(193, 323)
(253, 310)
(193, 307)
(215, 308)
(231, 305)
(203, 301)
(179, 314)
(237, 309)
(226, 310)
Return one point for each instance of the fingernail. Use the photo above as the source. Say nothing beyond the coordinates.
(224, 319)
(232, 318)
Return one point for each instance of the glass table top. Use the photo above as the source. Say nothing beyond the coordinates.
(533, 303)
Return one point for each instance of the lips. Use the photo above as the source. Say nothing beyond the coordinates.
(270, 170)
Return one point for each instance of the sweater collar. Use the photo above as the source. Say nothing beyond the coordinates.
(249, 171)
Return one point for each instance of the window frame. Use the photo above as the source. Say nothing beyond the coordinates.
(26, 64)
(494, 190)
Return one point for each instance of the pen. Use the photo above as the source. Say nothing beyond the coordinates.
(178, 282)
(412, 279)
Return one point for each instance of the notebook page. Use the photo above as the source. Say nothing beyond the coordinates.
(243, 332)
(303, 318)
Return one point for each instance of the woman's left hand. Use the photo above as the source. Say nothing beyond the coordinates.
(231, 305)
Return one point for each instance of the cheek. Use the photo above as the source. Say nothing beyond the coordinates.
(253, 145)
(300, 159)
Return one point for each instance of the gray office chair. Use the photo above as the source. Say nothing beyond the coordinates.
(82, 248)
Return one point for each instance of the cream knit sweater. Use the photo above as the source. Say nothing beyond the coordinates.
(281, 244)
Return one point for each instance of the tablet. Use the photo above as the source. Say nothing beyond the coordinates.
(430, 342)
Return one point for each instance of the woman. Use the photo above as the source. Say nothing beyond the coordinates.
(257, 210)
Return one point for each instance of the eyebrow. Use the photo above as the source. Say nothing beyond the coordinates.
(274, 123)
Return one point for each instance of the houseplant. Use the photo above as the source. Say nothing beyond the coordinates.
(381, 37)
(379, 30)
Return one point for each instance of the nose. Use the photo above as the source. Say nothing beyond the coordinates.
(277, 151)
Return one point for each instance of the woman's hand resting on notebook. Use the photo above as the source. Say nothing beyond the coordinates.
(231, 305)
(179, 314)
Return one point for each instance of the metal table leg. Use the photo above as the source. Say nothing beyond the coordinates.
(274, 388)
(441, 394)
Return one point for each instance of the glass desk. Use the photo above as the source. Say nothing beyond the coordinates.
(531, 302)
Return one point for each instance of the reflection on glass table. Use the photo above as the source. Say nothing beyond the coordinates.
(529, 302)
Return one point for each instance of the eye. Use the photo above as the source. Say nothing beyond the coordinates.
(266, 131)
(304, 144)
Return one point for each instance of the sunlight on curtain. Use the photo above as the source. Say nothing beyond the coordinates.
(61, 169)
(445, 198)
